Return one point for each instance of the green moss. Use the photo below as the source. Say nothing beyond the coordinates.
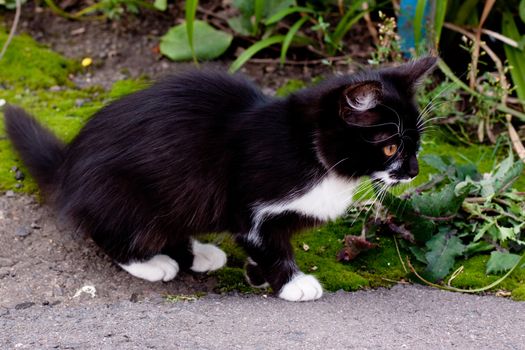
(31, 65)
(518, 294)
(317, 249)
(231, 279)
(289, 87)
(127, 86)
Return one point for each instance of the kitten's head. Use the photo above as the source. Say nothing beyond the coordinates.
(369, 124)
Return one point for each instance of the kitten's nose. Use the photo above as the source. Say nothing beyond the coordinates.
(413, 167)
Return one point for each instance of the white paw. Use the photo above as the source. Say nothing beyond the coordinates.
(159, 268)
(207, 257)
(301, 288)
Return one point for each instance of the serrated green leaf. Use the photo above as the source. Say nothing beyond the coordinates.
(443, 249)
(209, 42)
(477, 247)
(419, 254)
(502, 179)
(436, 162)
(506, 233)
(501, 262)
(440, 204)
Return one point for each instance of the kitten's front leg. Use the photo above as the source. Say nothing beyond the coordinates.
(272, 260)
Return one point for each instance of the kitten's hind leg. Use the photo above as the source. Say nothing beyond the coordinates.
(207, 257)
(159, 268)
(194, 255)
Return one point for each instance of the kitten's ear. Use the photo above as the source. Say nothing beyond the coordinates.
(363, 96)
(413, 72)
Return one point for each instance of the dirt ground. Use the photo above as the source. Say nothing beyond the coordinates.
(43, 262)
(129, 48)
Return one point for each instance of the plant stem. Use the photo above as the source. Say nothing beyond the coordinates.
(454, 289)
(13, 28)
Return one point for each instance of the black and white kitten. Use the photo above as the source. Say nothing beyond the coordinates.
(208, 152)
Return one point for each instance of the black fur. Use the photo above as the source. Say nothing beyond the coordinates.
(195, 152)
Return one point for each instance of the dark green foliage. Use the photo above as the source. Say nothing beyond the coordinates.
(462, 212)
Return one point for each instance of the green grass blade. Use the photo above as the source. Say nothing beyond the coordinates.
(441, 11)
(285, 12)
(259, 9)
(467, 13)
(351, 17)
(342, 27)
(289, 37)
(252, 50)
(191, 10)
(418, 21)
(515, 57)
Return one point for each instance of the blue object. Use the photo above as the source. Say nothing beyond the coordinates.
(405, 23)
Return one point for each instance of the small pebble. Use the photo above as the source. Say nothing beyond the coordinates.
(35, 226)
(5, 262)
(14, 168)
(55, 88)
(79, 102)
(19, 175)
(23, 306)
(22, 231)
(9, 194)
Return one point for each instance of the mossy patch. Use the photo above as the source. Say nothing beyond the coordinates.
(37, 79)
(31, 65)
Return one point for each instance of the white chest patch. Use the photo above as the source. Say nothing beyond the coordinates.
(325, 201)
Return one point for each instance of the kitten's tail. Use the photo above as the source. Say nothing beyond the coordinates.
(40, 150)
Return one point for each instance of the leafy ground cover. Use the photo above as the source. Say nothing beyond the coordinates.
(46, 91)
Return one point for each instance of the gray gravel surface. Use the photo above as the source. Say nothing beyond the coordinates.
(404, 317)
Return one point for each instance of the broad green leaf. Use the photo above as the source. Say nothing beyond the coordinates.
(501, 262)
(210, 43)
(443, 248)
(161, 5)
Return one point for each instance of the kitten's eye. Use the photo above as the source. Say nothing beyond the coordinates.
(390, 150)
